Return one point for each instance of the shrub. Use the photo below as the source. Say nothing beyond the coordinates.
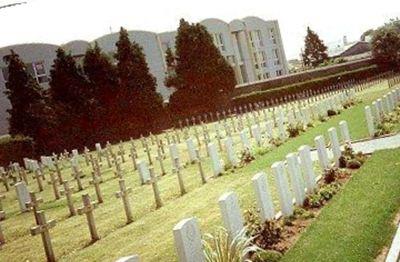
(246, 157)
(220, 247)
(265, 235)
(14, 149)
(276, 142)
(332, 112)
(262, 150)
(295, 129)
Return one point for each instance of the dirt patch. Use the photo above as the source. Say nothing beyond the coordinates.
(383, 253)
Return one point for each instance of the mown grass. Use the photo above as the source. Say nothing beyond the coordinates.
(357, 223)
(150, 235)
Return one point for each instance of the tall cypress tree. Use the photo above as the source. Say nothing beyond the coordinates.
(203, 80)
(315, 51)
(102, 83)
(26, 98)
(138, 98)
(69, 93)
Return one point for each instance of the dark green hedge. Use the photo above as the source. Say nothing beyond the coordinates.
(14, 149)
(315, 85)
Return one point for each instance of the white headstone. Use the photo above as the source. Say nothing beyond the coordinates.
(344, 131)
(22, 195)
(188, 241)
(255, 130)
(296, 178)
(244, 139)
(174, 153)
(322, 152)
(215, 160)
(144, 171)
(307, 167)
(285, 197)
(335, 145)
(191, 149)
(230, 211)
(370, 121)
(230, 152)
(263, 196)
(269, 128)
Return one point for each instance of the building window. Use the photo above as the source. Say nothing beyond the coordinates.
(277, 62)
(219, 41)
(276, 53)
(278, 72)
(263, 57)
(36, 69)
(265, 75)
(259, 76)
(272, 34)
(39, 72)
(4, 72)
(259, 38)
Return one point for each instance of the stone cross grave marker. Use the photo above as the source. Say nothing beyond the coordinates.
(263, 197)
(230, 211)
(77, 174)
(53, 182)
(179, 175)
(200, 166)
(124, 195)
(43, 226)
(96, 181)
(33, 204)
(87, 209)
(188, 241)
(67, 191)
(156, 191)
(174, 153)
(39, 176)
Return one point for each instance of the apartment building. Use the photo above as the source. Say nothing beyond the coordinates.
(252, 46)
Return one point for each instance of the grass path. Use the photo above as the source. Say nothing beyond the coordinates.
(358, 222)
(150, 235)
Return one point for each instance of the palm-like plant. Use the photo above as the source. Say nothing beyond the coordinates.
(220, 247)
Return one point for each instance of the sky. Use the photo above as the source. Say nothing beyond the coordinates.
(60, 21)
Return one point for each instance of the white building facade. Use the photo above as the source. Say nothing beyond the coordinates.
(252, 46)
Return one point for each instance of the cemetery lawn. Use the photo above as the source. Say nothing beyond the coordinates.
(150, 235)
(358, 222)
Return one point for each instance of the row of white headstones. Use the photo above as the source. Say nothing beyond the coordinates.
(303, 181)
(308, 113)
(293, 116)
(317, 109)
(299, 165)
(380, 107)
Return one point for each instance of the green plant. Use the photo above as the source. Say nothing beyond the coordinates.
(246, 157)
(222, 248)
(331, 112)
(351, 160)
(276, 141)
(321, 118)
(348, 103)
(265, 235)
(262, 150)
(383, 128)
(325, 193)
(295, 129)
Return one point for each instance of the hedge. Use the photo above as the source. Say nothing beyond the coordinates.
(315, 85)
(14, 149)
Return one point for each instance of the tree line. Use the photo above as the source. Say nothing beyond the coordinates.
(104, 98)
